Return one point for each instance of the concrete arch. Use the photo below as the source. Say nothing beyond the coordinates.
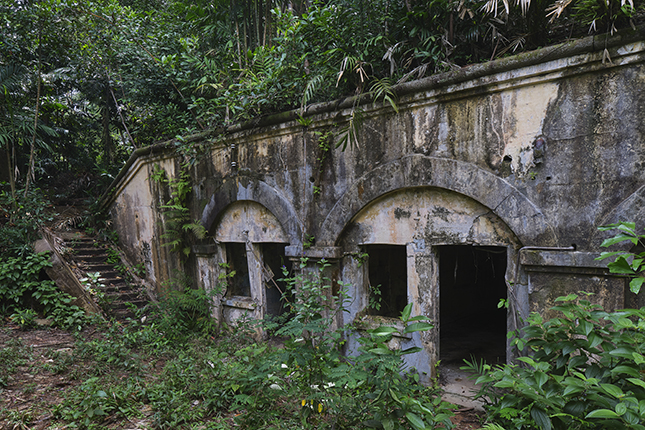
(632, 209)
(257, 191)
(515, 209)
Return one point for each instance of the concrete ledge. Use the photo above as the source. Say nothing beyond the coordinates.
(239, 302)
(563, 262)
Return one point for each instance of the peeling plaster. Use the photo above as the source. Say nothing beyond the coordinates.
(523, 114)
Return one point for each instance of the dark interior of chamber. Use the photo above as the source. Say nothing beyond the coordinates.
(237, 270)
(388, 286)
(471, 324)
(277, 291)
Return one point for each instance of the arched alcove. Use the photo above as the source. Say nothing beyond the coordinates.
(251, 252)
(456, 254)
(245, 190)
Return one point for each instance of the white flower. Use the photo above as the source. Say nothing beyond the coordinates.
(284, 366)
(275, 387)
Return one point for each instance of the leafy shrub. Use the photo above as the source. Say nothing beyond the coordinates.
(374, 389)
(23, 293)
(25, 318)
(585, 371)
(627, 263)
(94, 400)
(20, 218)
(185, 312)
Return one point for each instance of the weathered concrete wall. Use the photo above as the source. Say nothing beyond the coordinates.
(528, 155)
(137, 213)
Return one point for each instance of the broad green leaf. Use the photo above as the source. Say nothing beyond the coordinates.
(571, 390)
(620, 237)
(381, 350)
(637, 381)
(606, 254)
(635, 284)
(627, 227)
(528, 360)
(586, 327)
(620, 266)
(418, 326)
(541, 418)
(594, 340)
(602, 413)
(383, 330)
(541, 378)
(504, 384)
(405, 315)
(411, 350)
(621, 408)
(623, 352)
(567, 298)
(394, 396)
(627, 370)
(612, 390)
(415, 420)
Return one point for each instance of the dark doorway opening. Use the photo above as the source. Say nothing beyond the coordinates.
(388, 277)
(277, 292)
(238, 270)
(472, 282)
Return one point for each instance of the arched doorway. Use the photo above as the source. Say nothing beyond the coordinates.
(433, 248)
(251, 253)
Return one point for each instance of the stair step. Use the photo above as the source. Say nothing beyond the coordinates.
(124, 297)
(95, 267)
(91, 258)
(121, 304)
(118, 288)
(112, 281)
(90, 255)
(88, 251)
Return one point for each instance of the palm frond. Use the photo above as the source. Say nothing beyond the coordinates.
(310, 89)
(10, 76)
(382, 89)
(556, 9)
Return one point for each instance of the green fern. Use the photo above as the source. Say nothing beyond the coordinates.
(196, 228)
(492, 426)
(382, 89)
(349, 134)
(310, 89)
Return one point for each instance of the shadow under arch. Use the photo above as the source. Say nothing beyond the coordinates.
(520, 214)
(257, 191)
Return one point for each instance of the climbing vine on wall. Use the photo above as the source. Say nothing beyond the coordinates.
(175, 211)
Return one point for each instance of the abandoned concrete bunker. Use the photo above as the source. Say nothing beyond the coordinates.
(488, 184)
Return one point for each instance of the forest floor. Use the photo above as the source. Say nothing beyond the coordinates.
(41, 369)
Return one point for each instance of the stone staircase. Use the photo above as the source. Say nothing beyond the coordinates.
(87, 254)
